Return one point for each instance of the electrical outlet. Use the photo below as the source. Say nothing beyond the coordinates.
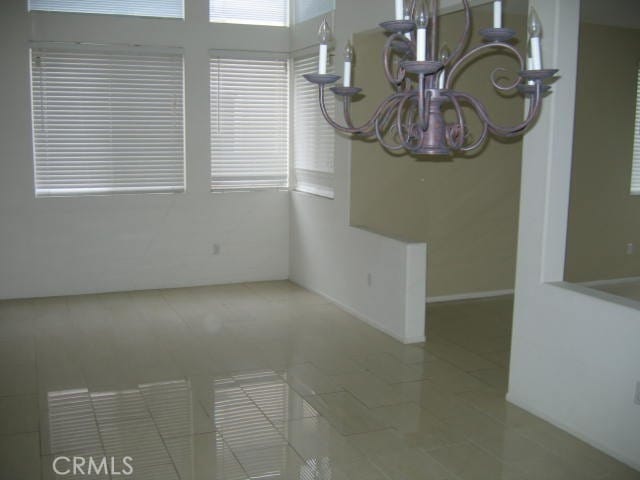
(636, 399)
(631, 248)
(369, 279)
(215, 249)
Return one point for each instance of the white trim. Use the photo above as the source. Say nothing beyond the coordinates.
(361, 316)
(522, 403)
(611, 281)
(468, 296)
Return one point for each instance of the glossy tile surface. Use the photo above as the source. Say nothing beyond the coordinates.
(267, 380)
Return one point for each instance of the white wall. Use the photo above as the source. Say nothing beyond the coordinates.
(332, 258)
(53, 246)
(575, 358)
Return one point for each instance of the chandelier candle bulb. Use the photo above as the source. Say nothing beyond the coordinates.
(530, 67)
(497, 14)
(421, 37)
(348, 58)
(535, 30)
(324, 35)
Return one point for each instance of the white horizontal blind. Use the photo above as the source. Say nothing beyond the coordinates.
(249, 101)
(142, 8)
(313, 137)
(251, 12)
(306, 9)
(107, 121)
(635, 170)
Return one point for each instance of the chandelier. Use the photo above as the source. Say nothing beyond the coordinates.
(422, 77)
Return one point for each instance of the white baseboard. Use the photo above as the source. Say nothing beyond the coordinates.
(469, 296)
(611, 281)
(633, 463)
(361, 316)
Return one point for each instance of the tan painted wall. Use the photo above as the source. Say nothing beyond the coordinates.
(603, 216)
(465, 209)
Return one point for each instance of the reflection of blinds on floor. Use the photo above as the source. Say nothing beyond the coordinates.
(313, 137)
(635, 170)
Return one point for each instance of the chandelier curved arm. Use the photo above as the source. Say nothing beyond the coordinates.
(503, 131)
(454, 134)
(464, 38)
(460, 63)
(461, 127)
(387, 54)
(365, 129)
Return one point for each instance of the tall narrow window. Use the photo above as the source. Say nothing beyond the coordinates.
(313, 137)
(635, 168)
(306, 9)
(107, 120)
(249, 101)
(250, 12)
(141, 8)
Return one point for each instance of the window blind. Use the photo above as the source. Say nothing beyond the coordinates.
(635, 169)
(251, 12)
(313, 137)
(107, 121)
(249, 101)
(142, 8)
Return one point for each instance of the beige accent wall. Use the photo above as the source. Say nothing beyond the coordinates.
(465, 208)
(603, 216)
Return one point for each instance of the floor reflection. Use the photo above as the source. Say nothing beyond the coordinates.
(156, 426)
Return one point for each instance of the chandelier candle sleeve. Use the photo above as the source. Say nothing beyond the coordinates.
(497, 14)
(324, 35)
(421, 36)
(348, 58)
(445, 53)
(399, 9)
(535, 30)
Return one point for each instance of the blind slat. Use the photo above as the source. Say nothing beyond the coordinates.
(249, 124)
(94, 131)
(313, 137)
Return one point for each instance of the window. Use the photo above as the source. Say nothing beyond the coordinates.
(313, 137)
(249, 101)
(307, 9)
(107, 120)
(143, 8)
(635, 169)
(251, 12)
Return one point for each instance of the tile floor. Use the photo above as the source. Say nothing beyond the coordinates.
(267, 380)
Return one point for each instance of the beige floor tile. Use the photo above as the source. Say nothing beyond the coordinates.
(497, 377)
(390, 369)
(369, 389)
(20, 456)
(307, 379)
(418, 427)
(18, 380)
(19, 414)
(204, 456)
(345, 413)
(469, 462)
(279, 462)
(412, 464)
(315, 438)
